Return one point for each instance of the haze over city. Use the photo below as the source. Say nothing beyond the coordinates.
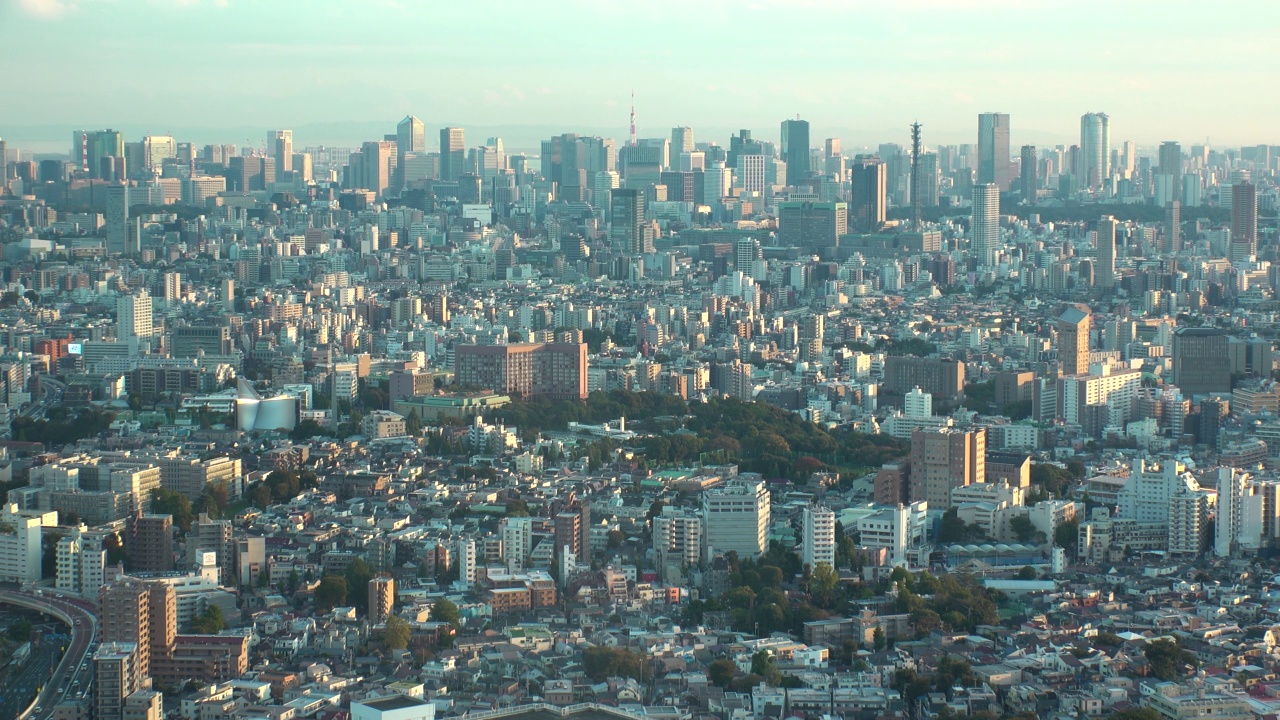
(857, 70)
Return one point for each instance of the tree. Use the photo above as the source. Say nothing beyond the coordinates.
(822, 585)
(358, 576)
(20, 630)
(762, 664)
(1021, 527)
(413, 424)
(445, 611)
(616, 538)
(396, 634)
(1027, 573)
(721, 672)
(331, 593)
(209, 622)
(1167, 660)
(170, 502)
(600, 662)
(878, 640)
(1066, 536)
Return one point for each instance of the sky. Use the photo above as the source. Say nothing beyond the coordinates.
(343, 71)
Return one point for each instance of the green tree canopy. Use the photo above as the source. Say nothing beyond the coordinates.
(331, 593)
(396, 634)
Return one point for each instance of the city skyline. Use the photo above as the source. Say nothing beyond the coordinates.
(332, 86)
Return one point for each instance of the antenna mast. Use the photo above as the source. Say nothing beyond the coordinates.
(632, 141)
(915, 176)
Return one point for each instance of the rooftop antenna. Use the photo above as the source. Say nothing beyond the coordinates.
(632, 141)
(915, 175)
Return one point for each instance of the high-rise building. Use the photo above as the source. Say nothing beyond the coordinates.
(736, 518)
(993, 150)
(1029, 181)
(812, 225)
(411, 135)
(817, 536)
(20, 548)
(382, 598)
(151, 549)
(1232, 486)
(155, 150)
(681, 142)
(140, 612)
(453, 153)
(869, 183)
(172, 282)
(946, 459)
(280, 142)
(133, 317)
(517, 542)
(1095, 150)
(116, 677)
(1244, 215)
(118, 218)
(1170, 164)
(940, 377)
(1105, 268)
(627, 228)
(251, 559)
(677, 538)
(1173, 227)
(214, 536)
(1073, 340)
(466, 561)
(552, 370)
(1201, 361)
(795, 150)
(984, 224)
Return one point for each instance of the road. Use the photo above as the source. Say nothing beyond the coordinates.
(79, 615)
(50, 394)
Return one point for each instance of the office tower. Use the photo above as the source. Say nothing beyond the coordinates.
(190, 341)
(382, 598)
(96, 151)
(453, 153)
(751, 173)
(602, 186)
(373, 167)
(302, 167)
(552, 370)
(984, 224)
(1170, 164)
(927, 172)
(1095, 150)
(228, 294)
(247, 174)
(1073, 340)
(155, 150)
(4, 162)
(946, 459)
(411, 135)
(116, 677)
(1201, 361)
(869, 182)
(133, 316)
(681, 142)
(1105, 268)
(1244, 215)
(1030, 182)
(736, 518)
(1173, 227)
(627, 229)
(280, 142)
(795, 150)
(1250, 356)
(993, 150)
(151, 549)
(817, 536)
(118, 219)
(812, 225)
(942, 378)
(747, 253)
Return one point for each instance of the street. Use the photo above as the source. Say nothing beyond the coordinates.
(61, 681)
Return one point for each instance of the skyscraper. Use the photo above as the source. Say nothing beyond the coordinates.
(1073, 340)
(795, 149)
(281, 144)
(411, 135)
(627, 226)
(1095, 150)
(1030, 182)
(946, 459)
(117, 218)
(984, 224)
(1201, 361)
(1173, 227)
(993, 150)
(1244, 215)
(453, 153)
(1105, 270)
(869, 182)
(681, 142)
(1171, 165)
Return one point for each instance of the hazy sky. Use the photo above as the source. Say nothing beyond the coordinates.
(858, 69)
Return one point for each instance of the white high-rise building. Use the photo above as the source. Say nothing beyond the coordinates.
(1188, 520)
(467, 561)
(736, 518)
(1233, 487)
(20, 549)
(897, 529)
(917, 404)
(1095, 150)
(517, 542)
(133, 318)
(172, 288)
(1105, 272)
(984, 225)
(677, 541)
(818, 536)
(1145, 495)
(750, 172)
(280, 143)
